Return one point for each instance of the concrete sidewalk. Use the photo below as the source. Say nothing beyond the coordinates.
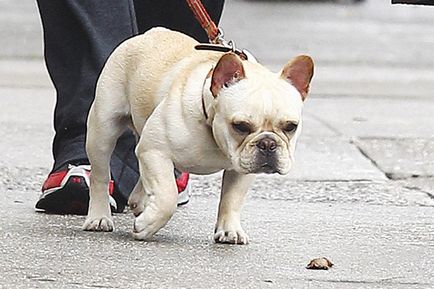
(361, 192)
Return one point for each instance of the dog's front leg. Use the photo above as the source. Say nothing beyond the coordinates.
(158, 180)
(234, 188)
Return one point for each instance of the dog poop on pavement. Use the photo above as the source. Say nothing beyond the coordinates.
(319, 264)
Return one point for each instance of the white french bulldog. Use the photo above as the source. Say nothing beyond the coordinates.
(199, 112)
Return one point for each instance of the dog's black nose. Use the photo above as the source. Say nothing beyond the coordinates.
(267, 145)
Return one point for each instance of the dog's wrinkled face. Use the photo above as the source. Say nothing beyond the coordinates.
(258, 113)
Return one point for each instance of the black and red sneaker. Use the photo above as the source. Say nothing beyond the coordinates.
(67, 192)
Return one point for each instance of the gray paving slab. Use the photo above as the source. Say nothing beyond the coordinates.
(401, 158)
(371, 80)
(20, 30)
(331, 158)
(24, 73)
(27, 105)
(375, 117)
(26, 127)
(314, 127)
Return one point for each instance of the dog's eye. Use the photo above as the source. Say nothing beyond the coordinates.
(290, 127)
(242, 127)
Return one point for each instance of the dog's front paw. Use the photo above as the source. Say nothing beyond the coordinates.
(231, 236)
(101, 224)
(152, 219)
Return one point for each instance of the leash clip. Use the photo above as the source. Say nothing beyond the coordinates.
(221, 45)
(220, 38)
(215, 34)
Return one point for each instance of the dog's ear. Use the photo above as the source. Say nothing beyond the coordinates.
(299, 72)
(229, 70)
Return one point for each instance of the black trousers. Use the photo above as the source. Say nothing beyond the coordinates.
(79, 35)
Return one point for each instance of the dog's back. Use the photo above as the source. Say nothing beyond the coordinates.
(140, 65)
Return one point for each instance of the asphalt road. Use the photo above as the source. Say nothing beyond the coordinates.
(361, 192)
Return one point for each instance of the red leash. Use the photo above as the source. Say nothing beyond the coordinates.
(205, 20)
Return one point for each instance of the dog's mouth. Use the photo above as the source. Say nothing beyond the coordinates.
(266, 163)
(268, 168)
(264, 168)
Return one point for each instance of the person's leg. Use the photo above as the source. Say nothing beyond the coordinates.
(78, 37)
(175, 15)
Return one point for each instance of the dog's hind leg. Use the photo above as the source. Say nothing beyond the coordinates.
(108, 118)
(136, 201)
(137, 198)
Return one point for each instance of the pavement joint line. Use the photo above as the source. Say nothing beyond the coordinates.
(415, 188)
(366, 155)
(399, 177)
(367, 96)
(393, 138)
(24, 86)
(273, 61)
(21, 57)
(325, 123)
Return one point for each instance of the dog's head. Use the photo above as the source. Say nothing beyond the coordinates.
(257, 114)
